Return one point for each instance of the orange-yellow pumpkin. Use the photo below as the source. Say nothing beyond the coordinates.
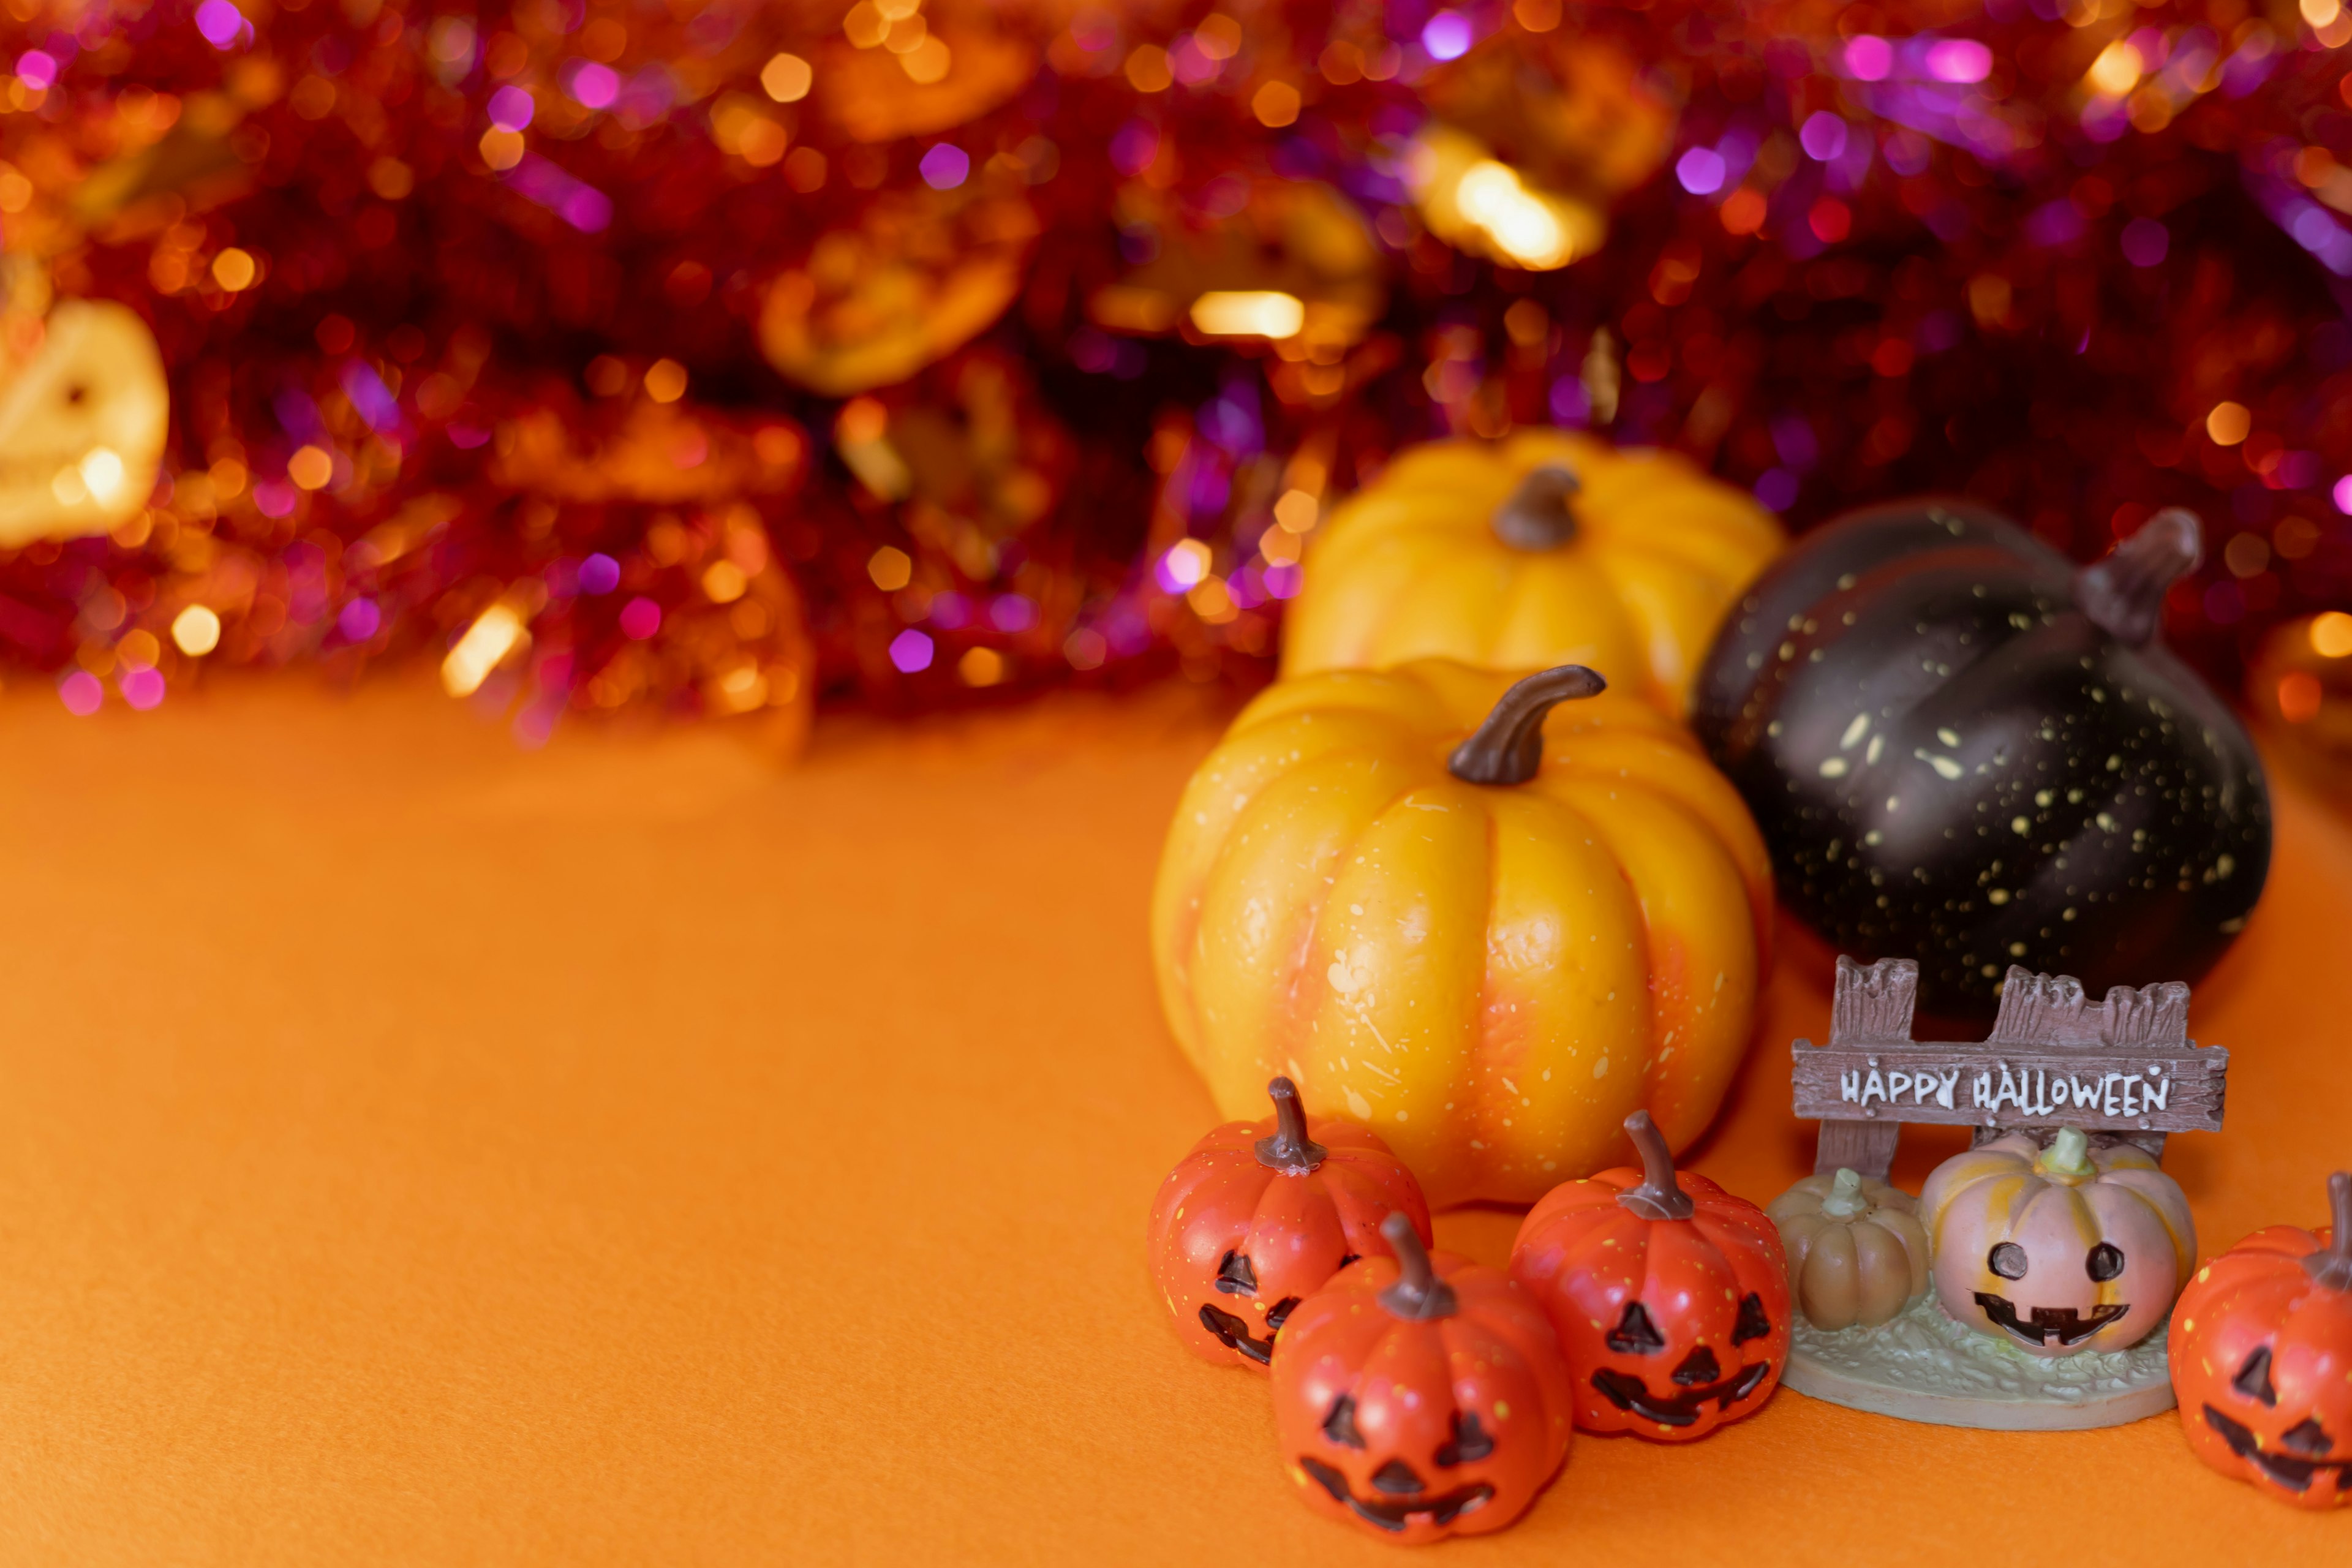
(1545, 549)
(1490, 951)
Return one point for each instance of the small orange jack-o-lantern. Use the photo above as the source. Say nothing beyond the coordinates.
(1261, 1214)
(1421, 1396)
(2262, 1359)
(83, 408)
(1670, 1295)
(2061, 1250)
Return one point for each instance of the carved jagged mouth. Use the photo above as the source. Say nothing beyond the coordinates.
(2296, 1475)
(1397, 1513)
(1234, 1335)
(1629, 1392)
(2062, 1323)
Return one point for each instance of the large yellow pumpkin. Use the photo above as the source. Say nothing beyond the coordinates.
(1490, 951)
(1548, 548)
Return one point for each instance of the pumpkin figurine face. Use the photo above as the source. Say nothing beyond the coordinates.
(1548, 548)
(2262, 1359)
(1421, 1396)
(1260, 1215)
(1487, 917)
(2060, 1249)
(1857, 1252)
(1671, 1296)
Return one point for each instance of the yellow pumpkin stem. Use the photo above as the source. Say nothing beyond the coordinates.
(1845, 1200)
(2068, 1156)
(1537, 516)
(2332, 1264)
(1508, 746)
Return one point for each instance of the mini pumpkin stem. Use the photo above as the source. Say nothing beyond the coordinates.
(1845, 1200)
(2069, 1154)
(1508, 747)
(2124, 594)
(2332, 1264)
(1289, 1151)
(1659, 1196)
(1417, 1294)
(1537, 516)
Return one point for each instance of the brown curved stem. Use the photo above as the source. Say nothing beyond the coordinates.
(2124, 594)
(1417, 1294)
(2332, 1266)
(1537, 516)
(1659, 1196)
(1508, 747)
(1289, 1151)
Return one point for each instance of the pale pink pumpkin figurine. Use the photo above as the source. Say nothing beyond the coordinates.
(2058, 1250)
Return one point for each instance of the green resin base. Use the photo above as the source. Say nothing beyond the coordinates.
(1923, 1365)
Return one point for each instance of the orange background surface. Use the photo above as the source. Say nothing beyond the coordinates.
(415, 1149)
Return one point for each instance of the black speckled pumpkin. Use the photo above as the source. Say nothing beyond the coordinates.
(1965, 750)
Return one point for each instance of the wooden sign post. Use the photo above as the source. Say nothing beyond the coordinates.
(2124, 1066)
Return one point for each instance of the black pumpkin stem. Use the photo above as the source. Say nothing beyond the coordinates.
(1417, 1294)
(1659, 1196)
(2332, 1264)
(1289, 1151)
(1508, 747)
(1537, 516)
(2124, 594)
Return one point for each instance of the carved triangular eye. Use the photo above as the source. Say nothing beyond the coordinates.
(2307, 1437)
(1235, 1277)
(1634, 1333)
(2253, 1379)
(1753, 1324)
(1340, 1425)
(2105, 1261)
(1469, 1444)
(1699, 1366)
(1397, 1479)
(1280, 1313)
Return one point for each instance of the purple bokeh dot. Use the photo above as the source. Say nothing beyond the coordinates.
(1777, 490)
(36, 69)
(142, 688)
(275, 498)
(222, 24)
(512, 108)
(1446, 36)
(1869, 57)
(910, 651)
(640, 618)
(2342, 495)
(1701, 171)
(1959, 60)
(81, 693)
(594, 86)
(599, 574)
(2146, 242)
(945, 166)
(359, 620)
(1823, 136)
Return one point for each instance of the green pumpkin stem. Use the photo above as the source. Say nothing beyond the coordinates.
(1659, 1196)
(1417, 1294)
(2124, 594)
(2069, 1154)
(2332, 1264)
(1844, 1199)
(1289, 1151)
(1507, 748)
(1537, 515)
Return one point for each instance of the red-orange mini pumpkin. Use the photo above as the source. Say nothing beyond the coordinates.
(1670, 1295)
(2262, 1359)
(1421, 1396)
(1261, 1214)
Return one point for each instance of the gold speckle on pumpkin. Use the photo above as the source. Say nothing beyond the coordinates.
(1503, 1410)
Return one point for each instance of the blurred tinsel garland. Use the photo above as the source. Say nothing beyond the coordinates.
(723, 357)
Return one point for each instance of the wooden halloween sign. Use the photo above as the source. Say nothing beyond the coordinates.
(2124, 1066)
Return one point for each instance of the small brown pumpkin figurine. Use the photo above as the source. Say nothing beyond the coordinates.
(1857, 1252)
(1422, 1395)
(1261, 1214)
(2262, 1359)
